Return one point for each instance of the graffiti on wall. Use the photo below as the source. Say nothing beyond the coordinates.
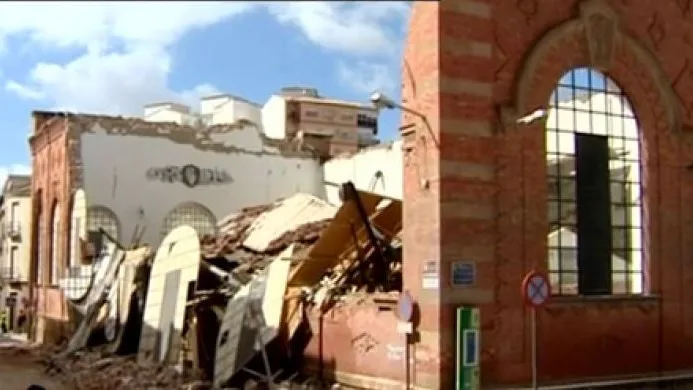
(190, 175)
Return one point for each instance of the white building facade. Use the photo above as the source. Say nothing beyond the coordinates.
(15, 243)
(157, 176)
(375, 169)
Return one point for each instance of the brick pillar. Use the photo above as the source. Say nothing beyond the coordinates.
(449, 173)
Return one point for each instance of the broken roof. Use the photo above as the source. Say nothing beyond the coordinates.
(255, 235)
(203, 138)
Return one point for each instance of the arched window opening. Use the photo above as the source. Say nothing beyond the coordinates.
(192, 214)
(76, 228)
(595, 241)
(54, 246)
(100, 217)
(38, 252)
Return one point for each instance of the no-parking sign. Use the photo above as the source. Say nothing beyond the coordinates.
(536, 289)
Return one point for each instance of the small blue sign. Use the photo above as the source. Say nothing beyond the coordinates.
(463, 274)
(471, 348)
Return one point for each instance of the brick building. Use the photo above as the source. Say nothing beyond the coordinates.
(473, 68)
(52, 181)
(137, 180)
(479, 185)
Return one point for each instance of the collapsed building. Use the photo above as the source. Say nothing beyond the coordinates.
(479, 204)
(247, 304)
(81, 184)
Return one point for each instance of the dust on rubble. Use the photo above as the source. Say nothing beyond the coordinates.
(86, 370)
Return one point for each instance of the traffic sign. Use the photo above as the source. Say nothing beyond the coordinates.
(536, 289)
(405, 307)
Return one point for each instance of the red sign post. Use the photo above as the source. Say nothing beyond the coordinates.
(536, 290)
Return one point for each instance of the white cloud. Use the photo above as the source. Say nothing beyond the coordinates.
(79, 24)
(126, 61)
(367, 77)
(16, 169)
(192, 96)
(349, 27)
(23, 91)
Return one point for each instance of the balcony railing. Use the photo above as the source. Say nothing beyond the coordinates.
(10, 274)
(13, 230)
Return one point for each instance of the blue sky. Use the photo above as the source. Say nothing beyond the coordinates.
(113, 58)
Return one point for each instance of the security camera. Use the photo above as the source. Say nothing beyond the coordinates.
(379, 100)
(533, 117)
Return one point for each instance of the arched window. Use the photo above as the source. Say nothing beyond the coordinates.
(55, 245)
(77, 227)
(100, 217)
(192, 214)
(594, 188)
(38, 252)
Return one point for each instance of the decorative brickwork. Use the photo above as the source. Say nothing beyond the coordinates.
(475, 183)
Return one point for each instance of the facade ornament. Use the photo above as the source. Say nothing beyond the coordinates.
(601, 29)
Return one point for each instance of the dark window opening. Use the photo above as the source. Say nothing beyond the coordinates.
(368, 122)
(593, 214)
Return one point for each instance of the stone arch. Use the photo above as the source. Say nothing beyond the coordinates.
(101, 217)
(595, 39)
(190, 213)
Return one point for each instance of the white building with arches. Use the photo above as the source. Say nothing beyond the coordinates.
(142, 180)
(137, 180)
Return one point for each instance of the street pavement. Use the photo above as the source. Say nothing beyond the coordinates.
(18, 369)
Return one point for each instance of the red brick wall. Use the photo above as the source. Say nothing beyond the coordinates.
(50, 182)
(475, 184)
(358, 340)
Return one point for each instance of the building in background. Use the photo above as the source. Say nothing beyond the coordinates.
(15, 244)
(214, 110)
(329, 126)
(138, 179)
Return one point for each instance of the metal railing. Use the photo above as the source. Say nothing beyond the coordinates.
(10, 274)
(13, 230)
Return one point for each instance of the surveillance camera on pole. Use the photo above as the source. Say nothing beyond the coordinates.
(381, 101)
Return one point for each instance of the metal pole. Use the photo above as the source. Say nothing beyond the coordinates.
(406, 362)
(534, 348)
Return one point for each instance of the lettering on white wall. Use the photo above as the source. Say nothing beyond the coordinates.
(190, 175)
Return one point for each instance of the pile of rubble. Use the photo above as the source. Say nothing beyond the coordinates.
(100, 370)
(253, 284)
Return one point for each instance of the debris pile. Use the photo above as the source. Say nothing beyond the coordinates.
(101, 370)
(215, 305)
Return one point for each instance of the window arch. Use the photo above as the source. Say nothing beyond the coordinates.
(101, 217)
(595, 240)
(38, 250)
(54, 244)
(77, 227)
(193, 214)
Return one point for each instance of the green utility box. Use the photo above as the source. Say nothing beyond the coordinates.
(468, 349)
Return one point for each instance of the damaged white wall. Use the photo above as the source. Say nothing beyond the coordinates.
(376, 169)
(116, 176)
